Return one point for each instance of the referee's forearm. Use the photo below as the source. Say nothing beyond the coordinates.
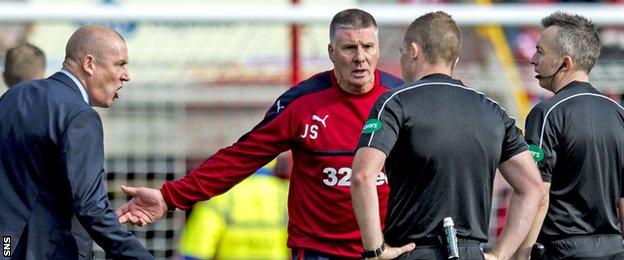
(366, 164)
(524, 251)
(366, 207)
(522, 213)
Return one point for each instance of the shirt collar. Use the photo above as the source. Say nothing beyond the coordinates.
(437, 76)
(83, 91)
(575, 85)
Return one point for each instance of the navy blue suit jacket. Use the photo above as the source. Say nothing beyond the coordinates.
(51, 169)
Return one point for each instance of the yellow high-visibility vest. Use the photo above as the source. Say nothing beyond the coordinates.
(247, 222)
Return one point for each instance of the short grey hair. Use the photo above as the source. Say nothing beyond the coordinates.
(577, 36)
(351, 19)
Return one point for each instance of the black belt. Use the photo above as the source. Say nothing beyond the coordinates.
(435, 241)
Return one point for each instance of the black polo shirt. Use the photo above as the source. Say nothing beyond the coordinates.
(577, 137)
(444, 142)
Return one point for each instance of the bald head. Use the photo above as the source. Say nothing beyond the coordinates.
(97, 56)
(96, 40)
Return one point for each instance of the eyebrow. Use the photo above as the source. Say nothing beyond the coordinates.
(369, 42)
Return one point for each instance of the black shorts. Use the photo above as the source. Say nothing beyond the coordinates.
(586, 247)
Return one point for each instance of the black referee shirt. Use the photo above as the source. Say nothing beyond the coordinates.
(577, 137)
(444, 142)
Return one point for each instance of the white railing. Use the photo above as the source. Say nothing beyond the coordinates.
(466, 14)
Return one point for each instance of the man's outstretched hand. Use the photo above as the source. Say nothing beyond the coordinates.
(146, 206)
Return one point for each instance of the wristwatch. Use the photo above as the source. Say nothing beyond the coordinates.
(375, 252)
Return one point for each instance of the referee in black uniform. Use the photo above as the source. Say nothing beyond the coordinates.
(443, 143)
(577, 139)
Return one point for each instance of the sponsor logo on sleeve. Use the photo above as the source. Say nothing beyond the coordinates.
(371, 125)
(536, 152)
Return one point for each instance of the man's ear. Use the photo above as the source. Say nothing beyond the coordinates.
(330, 51)
(88, 64)
(414, 50)
(568, 63)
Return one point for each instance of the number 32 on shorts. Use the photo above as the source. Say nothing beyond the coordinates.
(342, 177)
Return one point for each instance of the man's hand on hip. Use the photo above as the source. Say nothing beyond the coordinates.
(394, 252)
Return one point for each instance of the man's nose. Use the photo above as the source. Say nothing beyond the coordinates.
(360, 55)
(533, 59)
(125, 76)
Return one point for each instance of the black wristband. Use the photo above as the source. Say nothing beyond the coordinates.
(375, 252)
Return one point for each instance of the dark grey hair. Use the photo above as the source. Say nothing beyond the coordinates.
(351, 19)
(577, 36)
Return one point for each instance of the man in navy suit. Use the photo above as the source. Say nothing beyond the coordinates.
(52, 155)
(27, 62)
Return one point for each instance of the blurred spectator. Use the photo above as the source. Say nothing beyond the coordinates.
(14, 33)
(248, 222)
(524, 42)
(23, 63)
